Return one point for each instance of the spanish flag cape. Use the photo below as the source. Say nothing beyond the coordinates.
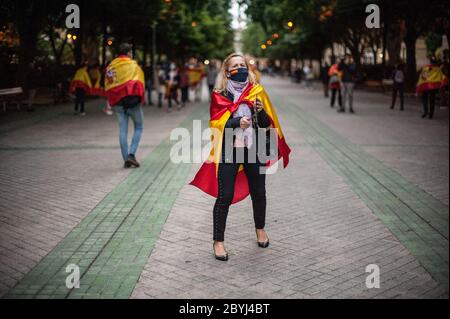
(195, 75)
(82, 80)
(220, 111)
(431, 78)
(123, 77)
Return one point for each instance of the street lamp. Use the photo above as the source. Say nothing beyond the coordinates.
(263, 46)
(290, 24)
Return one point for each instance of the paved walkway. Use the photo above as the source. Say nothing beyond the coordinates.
(369, 188)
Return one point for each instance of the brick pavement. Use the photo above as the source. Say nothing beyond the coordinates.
(55, 169)
(323, 230)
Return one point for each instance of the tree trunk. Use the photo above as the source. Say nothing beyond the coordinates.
(411, 67)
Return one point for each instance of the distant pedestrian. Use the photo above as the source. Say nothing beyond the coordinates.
(309, 76)
(80, 86)
(125, 90)
(324, 78)
(172, 86)
(148, 87)
(335, 84)
(211, 77)
(431, 80)
(348, 69)
(398, 78)
(184, 86)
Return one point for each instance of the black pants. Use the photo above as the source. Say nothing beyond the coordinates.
(184, 94)
(333, 97)
(398, 87)
(429, 96)
(226, 179)
(80, 98)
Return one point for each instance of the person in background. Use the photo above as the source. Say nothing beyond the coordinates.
(211, 77)
(184, 86)
(324, 78)
(80, 86)
(431, 80)
(348, 79)
(125, 90)
(398, 78)
(172, 85)
(335, 84)
(309, 76)
(158, 78)
(32, 83)
(148, 87)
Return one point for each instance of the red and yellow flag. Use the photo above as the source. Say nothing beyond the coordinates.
(84, 79)
(431, 78)
(220, 111)
(195, 75)
(124, 77)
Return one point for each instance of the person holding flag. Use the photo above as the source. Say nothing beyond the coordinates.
(230, 173)
(431, 80)
(125, 91)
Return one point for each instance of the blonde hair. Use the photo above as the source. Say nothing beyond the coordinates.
(222, 80)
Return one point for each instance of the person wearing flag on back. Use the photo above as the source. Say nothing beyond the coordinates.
(431, 80)
(125, 89)
(230, 174)
(86, 81)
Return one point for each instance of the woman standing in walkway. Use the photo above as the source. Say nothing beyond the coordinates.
(232, 171)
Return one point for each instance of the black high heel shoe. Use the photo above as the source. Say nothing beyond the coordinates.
(263, 244)
(220, 257)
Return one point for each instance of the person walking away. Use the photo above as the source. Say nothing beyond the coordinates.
(125, 90)
(324, 78)
(309, 76)
(398, 78)
(348, 69)
(184, 86)
(32, 83)
(431, 80)
(80, 86)
(335, 84)
(211, 77)
(148, 87)
(172, 85)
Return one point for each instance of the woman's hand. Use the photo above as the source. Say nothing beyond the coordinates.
(245, 123)
(258, 106)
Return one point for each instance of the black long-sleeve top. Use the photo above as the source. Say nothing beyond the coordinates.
(234, 122)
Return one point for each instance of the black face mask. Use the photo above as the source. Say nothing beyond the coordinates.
(239, 75)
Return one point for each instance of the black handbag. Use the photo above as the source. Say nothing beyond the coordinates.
(270, 148)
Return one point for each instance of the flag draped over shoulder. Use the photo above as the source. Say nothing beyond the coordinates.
(124, 77)
(220, 111)
(431, 78)
(195, 75)
(83, 79)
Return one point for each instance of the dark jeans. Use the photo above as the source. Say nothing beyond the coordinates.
(429, 97)
(398, 87)
(184, 94)
(226, 180)
(80, 98)
(173, 96)
(333, 97)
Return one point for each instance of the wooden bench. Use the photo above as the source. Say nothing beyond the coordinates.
(12, 95)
